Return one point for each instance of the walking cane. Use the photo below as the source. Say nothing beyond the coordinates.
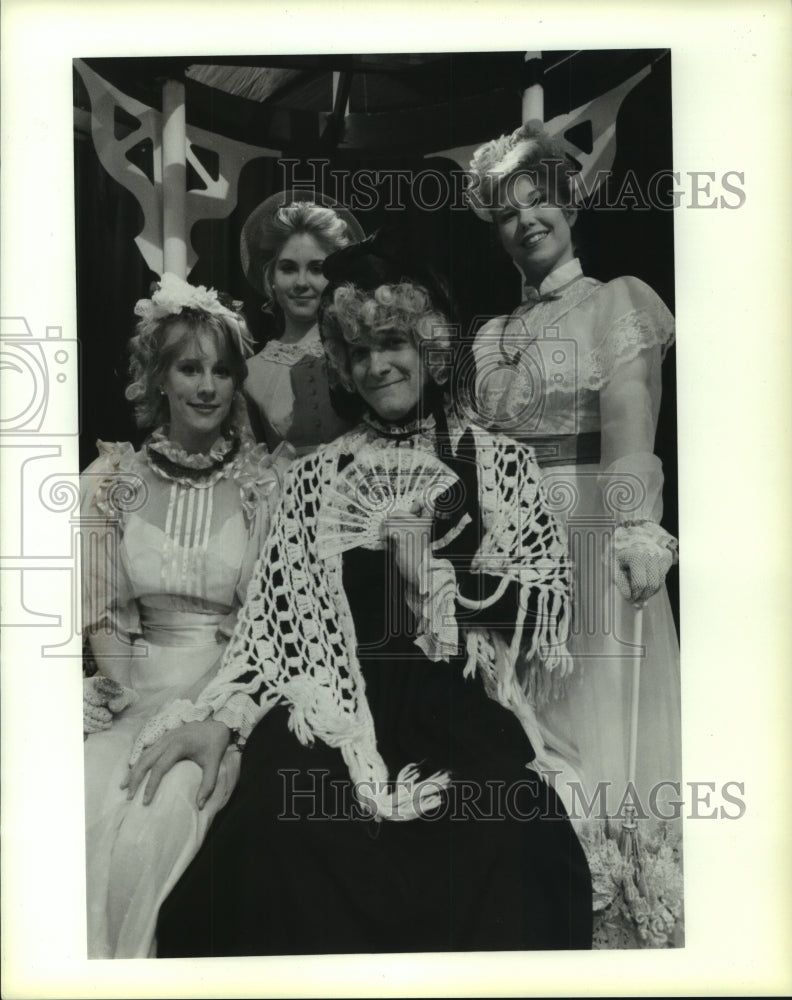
(637, 644)
(629, 838)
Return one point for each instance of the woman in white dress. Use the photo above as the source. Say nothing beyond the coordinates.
(172, 533)
(283, 244)
(574, 372)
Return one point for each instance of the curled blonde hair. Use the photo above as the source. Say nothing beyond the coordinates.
(151, 356)
(352, 316)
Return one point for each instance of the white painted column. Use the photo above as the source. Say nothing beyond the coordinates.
(533, 92)
(174, 179)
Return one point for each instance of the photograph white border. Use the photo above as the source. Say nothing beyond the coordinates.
(731, 111)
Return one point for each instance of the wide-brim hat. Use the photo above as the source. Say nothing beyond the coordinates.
(385, 258)
(251, 244)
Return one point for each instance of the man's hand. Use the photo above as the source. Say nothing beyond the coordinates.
(410, 535)
(202, 742)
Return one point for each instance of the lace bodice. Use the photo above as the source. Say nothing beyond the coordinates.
(172, 540)
(540, 370)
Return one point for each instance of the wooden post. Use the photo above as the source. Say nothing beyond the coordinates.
(336, 81)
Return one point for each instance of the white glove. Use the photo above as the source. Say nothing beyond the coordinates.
(102, 699)
(643, 555)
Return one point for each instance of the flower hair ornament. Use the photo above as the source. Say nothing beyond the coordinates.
(171, 295)
(529, 148)
(171, 298)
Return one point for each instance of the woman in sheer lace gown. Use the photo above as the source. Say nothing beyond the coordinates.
(574, 372)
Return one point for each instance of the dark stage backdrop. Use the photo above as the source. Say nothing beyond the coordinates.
(633, 239)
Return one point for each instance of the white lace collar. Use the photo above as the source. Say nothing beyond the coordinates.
(170, 461)
(290, 354)
(561, 276)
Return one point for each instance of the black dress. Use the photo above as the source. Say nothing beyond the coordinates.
(292, 866)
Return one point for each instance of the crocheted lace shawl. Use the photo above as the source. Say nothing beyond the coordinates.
(295, 638)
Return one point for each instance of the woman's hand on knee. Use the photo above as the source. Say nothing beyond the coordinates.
(204, 743)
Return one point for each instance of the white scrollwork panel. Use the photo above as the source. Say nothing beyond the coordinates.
(216, 200)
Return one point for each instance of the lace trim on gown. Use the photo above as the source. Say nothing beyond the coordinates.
(636, 331)
(504, 340)
(289, 354)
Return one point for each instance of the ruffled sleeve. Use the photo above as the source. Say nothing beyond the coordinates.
(108, 488)
(629, 318)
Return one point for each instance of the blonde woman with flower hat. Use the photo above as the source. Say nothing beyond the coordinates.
(283, 244)
(172, 532)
